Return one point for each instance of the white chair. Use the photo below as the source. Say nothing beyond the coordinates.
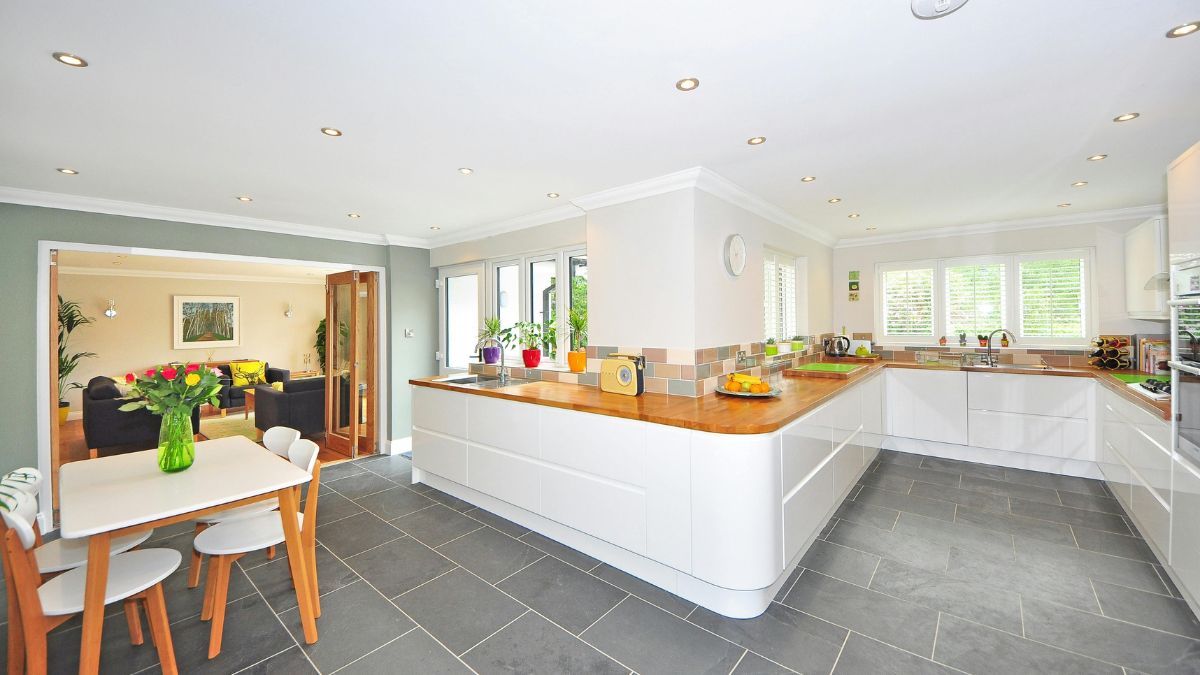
(26, 479)
(275, 439)
(41, 607)
(226, 542)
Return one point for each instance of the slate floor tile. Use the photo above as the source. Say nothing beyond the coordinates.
(968, 599)
(291, 661)
(564, 594)
(1056, 482)
(561, 551)
(972, 498)
(394, 502)
(252, 633)
(797, 640)
(334, 507)
(354, 620)
(1058, 533)
(753, 664)
(918, 474)
(787, 584)
(388, 466)
(490, 554)
(651, 641)
(918, 552)
(1099, 566)
(896, 457)
(1064, 514)
(1147, 609)
(863, 655)
(497, 522)
(531, 644)
(926, 507)
(896, 622)
(436, 525)
(1111, 543)
(1006, 489)
(331, 473)
(413, 652)
(866, 514)
(459, 610)
(885, 481)
(274, 580)
(840, 562)
(185, 603)
(973, 648)
(957, 534)
(1142, 649)
(363, 484)
(644, 590)
(356, 534)
(1029, 579)
(399, 566)
(963, 468)
(449, 500)
(1090, 502)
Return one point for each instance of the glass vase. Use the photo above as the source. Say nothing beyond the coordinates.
(176, 440)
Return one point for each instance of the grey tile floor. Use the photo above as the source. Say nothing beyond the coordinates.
(930, 566)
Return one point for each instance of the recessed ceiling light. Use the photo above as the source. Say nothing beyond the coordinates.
(808, 179)
(552, 195)
(853, 215)
(245, 198)
(434, 227)
(70, 60)
(687, 84)
(1126, 117)
(1064, 205)
(1096, 158)
(757, 140)
(69, 172)
(1079, 183)
(834, 200)
(353, 215)
(1185, 29)
(330, 131)
(466, 171)
(871, 228)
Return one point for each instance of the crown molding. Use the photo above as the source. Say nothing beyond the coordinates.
(723, 188)
(56, 200)
(554, 215)
(640, 190)
(1086, 218)
(195, 276)
(404, 240)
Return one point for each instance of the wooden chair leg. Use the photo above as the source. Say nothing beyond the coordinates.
(222, 412)
(160, 629)
(134, 618)
(16, 636)
(93, 453)
(197, 561)
(210, 587)
(35, 650)
(312, 579)
(223, 564)
(270, 553)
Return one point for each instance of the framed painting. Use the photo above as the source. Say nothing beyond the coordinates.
(207, 321)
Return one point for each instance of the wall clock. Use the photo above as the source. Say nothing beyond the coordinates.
(735, 254)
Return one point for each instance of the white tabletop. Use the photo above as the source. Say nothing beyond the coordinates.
(109, 493)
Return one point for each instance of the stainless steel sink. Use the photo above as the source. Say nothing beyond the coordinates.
(1014, 366)
(481, 381)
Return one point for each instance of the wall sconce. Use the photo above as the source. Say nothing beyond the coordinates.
(288, 312)
(111, 312)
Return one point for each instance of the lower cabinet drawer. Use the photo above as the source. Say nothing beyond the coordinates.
(805, 510)
(1185, 533)
(1117, 474)
(1150, 460)
(1153, 518)
(599, 507)
(847, 464)
(1033, 434)
(503, 475)
(442, 455)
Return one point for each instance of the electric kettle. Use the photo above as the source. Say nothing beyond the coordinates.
(838, 345)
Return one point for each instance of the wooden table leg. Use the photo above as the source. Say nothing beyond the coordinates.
(93, 604)
(298, 561)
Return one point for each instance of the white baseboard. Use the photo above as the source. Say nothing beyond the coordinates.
(396, 446)
(1015, 460)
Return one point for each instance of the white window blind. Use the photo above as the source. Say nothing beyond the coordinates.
(779, 296)
(974, 298)
(1052, 297)
(908, 302)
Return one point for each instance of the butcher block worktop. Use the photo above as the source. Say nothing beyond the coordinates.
(715, 413)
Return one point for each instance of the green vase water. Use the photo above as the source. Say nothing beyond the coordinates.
(176, 442)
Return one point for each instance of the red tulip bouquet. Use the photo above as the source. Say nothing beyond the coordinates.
(173, 391)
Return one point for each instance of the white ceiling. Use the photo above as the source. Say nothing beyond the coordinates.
(983, 115)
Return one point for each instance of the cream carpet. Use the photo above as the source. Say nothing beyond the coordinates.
(232, 424)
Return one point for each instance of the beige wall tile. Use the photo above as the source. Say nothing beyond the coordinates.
(681, 356)
(656, 385)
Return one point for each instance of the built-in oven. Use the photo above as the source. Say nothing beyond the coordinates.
(1185, 358)
(1185, 395)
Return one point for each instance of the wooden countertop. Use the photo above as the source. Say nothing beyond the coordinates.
(719, 414)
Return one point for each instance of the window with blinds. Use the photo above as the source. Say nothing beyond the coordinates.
(974, 298)
(779, 296)
(1053, 303)
(908, 302)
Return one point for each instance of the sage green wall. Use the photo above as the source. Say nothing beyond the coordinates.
(21, 227)
(413, 302)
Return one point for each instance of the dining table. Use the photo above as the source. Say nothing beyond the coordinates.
(113, 496)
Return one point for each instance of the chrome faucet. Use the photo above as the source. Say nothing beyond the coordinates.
(502, 371)
(991, 360)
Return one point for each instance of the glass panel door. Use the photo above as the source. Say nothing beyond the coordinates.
(461, 314)
(342, 397)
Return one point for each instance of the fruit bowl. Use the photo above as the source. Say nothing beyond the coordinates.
(746, 394)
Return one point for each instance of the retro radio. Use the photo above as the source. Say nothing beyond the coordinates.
(623, 374)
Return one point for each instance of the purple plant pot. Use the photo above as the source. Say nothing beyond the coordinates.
(491, 355)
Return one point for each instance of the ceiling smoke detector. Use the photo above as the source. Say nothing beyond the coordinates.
(935, 9)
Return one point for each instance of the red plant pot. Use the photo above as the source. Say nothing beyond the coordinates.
(531, 357)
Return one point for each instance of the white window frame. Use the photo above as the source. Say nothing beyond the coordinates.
(800, 308)
(1012, 299)
(444, 273)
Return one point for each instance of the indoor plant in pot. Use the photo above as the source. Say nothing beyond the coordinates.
(577, 357)
(491, 329)
(771, 348)
(70, 317)
(529, 336)
(172, 392)
(797, 343)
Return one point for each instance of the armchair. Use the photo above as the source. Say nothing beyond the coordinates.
(301, 406)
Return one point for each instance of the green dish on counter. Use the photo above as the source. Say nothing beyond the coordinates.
(830, 367)
(1130, 379)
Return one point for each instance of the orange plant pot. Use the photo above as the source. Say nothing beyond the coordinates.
(577, 361)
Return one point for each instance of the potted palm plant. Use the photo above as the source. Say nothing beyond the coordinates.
(491, 329)
(70, 317)
(577, 357)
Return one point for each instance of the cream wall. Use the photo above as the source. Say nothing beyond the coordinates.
(560, 234)
(140, 336)
(1108, 277)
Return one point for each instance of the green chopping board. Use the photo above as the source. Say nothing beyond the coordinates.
(829, 367)
(1129, 379)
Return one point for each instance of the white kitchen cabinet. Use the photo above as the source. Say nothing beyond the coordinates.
(1051, 396)
(872, 416)
(1146, 264)
(443, 455)
(1185, 528)
(1136, 462)
(503, 424)
(1032, 434)
(927, 405)
(1033, 414)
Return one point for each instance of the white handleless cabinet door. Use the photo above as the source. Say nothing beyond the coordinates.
(928, 405)
(872, 416)
(1185, 527)
(1052, 396)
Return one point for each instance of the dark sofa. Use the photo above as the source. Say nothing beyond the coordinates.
(104, 426)
(235, 397)
(300, 406)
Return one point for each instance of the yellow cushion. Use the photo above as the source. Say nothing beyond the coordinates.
(246, 373)
(277, 386)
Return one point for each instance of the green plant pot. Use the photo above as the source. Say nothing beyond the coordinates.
(772, 350)
(797, 346)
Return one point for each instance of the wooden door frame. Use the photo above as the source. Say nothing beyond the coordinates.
(332, 384)
(44, 315)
